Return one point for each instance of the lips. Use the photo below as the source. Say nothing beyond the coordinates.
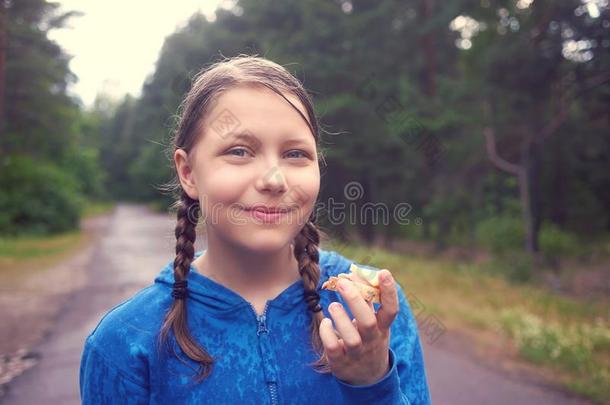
(268, 209)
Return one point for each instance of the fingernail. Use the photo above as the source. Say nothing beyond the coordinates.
(335, 307)
(387, 278)
(343, 285)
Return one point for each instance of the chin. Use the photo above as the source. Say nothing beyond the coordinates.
(265, 242)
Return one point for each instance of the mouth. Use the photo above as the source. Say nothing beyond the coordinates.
(268, 214)
(268, 209)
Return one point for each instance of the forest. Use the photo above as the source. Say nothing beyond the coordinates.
(487, 122)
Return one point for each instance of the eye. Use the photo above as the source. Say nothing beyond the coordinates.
(240, 149)
(298, 151)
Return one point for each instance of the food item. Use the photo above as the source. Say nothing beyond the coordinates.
(365, 280)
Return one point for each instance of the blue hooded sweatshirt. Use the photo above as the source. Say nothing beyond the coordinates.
(259, 359)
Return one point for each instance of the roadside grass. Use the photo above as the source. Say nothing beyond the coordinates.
(31, 251)
(569, 337)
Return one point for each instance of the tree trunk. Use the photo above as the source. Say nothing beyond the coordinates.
(529, 187)
(524, 194)
(3, 45)
(429, 51)
(558, 208)
(426, 231)
(366, 228)
(444, 226)
(535, 169)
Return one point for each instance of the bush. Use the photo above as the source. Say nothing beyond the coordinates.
(500, 234)
(574, 348)
(37, 198)
(82, 164)
(554, 242)
(515, 266)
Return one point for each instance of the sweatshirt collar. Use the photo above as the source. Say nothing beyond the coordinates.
(219, 298)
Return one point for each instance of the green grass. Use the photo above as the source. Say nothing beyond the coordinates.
(46, 250)
(571, 347)
(24, 247)
(567, 336)
(37, 252)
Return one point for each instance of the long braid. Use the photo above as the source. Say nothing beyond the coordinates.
(306, 252)
(176, 318)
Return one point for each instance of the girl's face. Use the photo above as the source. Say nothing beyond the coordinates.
(255, 149)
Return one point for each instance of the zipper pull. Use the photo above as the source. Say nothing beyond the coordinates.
(262, 327)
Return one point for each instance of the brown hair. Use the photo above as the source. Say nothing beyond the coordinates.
(207, 85)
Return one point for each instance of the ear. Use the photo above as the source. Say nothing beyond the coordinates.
(185, 173)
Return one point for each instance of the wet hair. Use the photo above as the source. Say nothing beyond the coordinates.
(207, 86)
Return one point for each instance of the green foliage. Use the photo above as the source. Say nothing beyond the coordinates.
(83, 165)
(48, 160)
(37, 198)
(388, 80)
(555, 242)
(152, 170)
(500, 234)
(515, 266)
(40, 117)
(566, 347)
(379, 110)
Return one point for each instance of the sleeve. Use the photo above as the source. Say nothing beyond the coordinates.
(406, 382)
(101, 382)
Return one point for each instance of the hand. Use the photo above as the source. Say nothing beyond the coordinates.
(358, 351)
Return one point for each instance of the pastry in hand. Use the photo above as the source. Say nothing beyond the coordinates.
(366, 282)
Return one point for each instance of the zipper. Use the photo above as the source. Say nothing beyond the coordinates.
(273, 390)
(262, 328)
(261, 319)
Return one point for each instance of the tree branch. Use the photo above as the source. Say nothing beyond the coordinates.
(492, 153)
(565, 101)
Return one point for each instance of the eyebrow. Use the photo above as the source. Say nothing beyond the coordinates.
(246, 137)
(255, 141)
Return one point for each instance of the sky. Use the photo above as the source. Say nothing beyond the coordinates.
(115, 45)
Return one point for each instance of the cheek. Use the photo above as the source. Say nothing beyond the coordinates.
(223, 186)
(304, 187)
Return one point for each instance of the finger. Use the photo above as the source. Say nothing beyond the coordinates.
(389, 301)
(330, 340)
(362, 311)
(347, 330)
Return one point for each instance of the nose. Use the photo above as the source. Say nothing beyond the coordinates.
(273, 180)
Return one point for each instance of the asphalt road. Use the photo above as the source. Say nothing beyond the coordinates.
(134, 246)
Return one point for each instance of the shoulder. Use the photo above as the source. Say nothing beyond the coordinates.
(116, 357)
(332, 263)
(130, 328)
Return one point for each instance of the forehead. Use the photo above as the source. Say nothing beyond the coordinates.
(258, 111)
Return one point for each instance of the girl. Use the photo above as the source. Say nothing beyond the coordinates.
(245, 321)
